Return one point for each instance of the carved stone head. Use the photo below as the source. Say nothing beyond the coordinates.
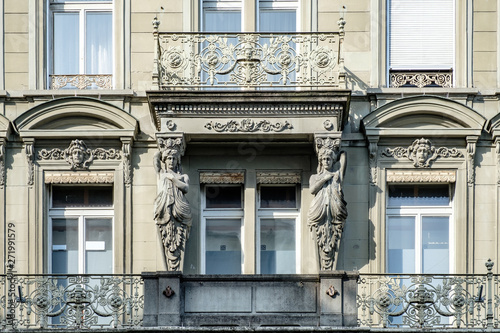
(171, 151)
(421, 152)
(78, 155)
(328, 151)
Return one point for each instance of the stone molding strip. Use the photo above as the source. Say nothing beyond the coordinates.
(278, 178)
(79, 178)
(222, 177)
(421, 176)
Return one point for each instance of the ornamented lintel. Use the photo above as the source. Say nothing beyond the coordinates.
(421, 176)
(79, 178)
(248, 125)
(222, 177)
(278, 177)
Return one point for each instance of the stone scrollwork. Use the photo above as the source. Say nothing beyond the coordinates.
(172, 212)
(248, 125)
(422, 153)
(28, 149)
(373, 147)
(420, 80)
(127, 167)
(471, 153)
(2, 165)
(78, 155)
(328, 211)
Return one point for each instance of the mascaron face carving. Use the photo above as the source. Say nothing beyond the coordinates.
(78, 155)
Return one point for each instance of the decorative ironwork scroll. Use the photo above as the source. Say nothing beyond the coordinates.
(77, 302)
(83, 81)
(421, 153)
(421, 79)
(248, 59)
(78, 155)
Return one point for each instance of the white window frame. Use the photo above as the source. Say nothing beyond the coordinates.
(419, 212)
(219, 214)
(269, 5)
(81, 7)
(81, 215)
(278, 213)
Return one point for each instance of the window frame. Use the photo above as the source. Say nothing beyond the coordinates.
(278, 213)
(419, 212)
(220, 214)
(80, 213)
(82, 8)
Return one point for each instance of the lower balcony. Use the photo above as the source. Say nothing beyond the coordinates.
(170, 301)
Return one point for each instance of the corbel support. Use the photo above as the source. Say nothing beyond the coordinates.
(471, 154)
(162, 139)
(372, 157)
(2, 162)
(29, 150)
(127, 160)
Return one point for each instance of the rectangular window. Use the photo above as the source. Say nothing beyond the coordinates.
(81, 230)
(419, 226)
(277, 241)
(81, 44)
(222, 223)
(421, 40)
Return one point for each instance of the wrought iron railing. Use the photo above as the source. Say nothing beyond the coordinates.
(81, 81)
(70, 301)
(248, 59)
(421, 79)
(429, 301)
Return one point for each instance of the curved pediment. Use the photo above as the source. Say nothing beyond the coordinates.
(5, 127)
(67, 117)
(424, 115)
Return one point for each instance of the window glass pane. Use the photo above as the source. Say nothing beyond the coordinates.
(277, 21)
(435, 244)
(222, 21)
(82, 196)
(98, 43)
(64, 246)
(401, 244)
(278, 197)
(223, 196)
(223, 246)
(419, 195)
(277, 246)
(98, 246)
(66, 43)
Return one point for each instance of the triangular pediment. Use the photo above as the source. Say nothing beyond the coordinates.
(67, 117)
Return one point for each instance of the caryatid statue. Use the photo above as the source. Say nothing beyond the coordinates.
(172, 212)
(328, 211)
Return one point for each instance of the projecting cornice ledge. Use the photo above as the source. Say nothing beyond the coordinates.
(228, 114)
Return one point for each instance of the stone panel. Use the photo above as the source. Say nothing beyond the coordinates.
(218, 298)
(290, 297)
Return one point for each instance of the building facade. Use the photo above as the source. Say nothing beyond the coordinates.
(190, 136)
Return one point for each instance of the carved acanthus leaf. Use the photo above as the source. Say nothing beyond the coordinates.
(248, 125)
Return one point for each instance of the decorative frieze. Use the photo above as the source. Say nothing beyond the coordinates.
(79, 178)
(421, 176)
(208, 177)
(278, 177)
(81, 81)
(78, 156)
(422, 153)
(248, 125)
(421, 79)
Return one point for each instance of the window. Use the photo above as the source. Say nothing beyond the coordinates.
(81, 37)
(421, 41)
(419, 226)
(81, 229)
(277, 240)
(222, 225)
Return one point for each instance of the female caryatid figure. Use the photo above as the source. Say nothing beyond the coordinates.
(328, 211)
(171, 210)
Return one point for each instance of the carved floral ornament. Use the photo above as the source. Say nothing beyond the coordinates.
(248, 125)
(422, 153)
(78, 155)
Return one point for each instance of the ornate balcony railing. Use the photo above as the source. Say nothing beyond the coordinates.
(70, 301)
(81, 81)
(429, 301)
(248, 59)
(420, 79)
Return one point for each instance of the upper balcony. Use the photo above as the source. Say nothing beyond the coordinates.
(248, 60)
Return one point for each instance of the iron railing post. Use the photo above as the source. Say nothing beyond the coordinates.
(489, 294)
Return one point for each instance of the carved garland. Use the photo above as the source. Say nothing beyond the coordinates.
(421, 153)
(248, 125)
(78, 155)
